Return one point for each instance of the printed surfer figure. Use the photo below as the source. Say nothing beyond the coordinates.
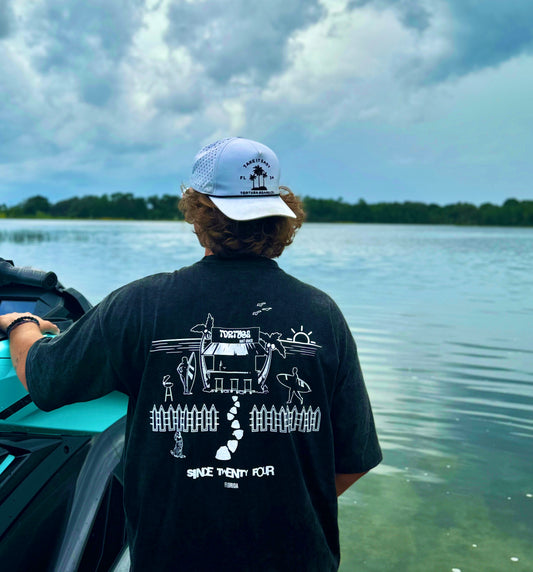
(207, 335)
(294, 384)
(187, 372)
(178, 447)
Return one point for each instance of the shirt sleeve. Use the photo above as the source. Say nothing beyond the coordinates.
(357, 448)
(87, 361)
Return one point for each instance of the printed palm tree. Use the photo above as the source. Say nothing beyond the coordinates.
(205, 329)
(260, 172)
(253, 178)
(270, 343)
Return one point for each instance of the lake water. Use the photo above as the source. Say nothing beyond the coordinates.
(443, 320)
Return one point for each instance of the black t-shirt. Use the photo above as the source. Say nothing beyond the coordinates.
(246, 397)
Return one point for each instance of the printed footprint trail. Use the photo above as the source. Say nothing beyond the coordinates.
(225, 451)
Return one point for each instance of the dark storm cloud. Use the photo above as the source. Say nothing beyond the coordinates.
(483, 34)
(180, 102)
(415, 16)
(78, 28)
(85, 41)
(6, 18)
(487, 34)
(97, 90)
(239, 39)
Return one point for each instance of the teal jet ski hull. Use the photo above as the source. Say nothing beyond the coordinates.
(60, 471)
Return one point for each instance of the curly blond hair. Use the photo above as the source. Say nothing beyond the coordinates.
(227, 237)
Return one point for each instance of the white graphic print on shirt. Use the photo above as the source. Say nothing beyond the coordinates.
(234, 361)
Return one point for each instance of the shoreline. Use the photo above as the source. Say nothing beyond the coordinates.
(125, 206)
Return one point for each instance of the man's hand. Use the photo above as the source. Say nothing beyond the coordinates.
(22, 337)
(45, 326)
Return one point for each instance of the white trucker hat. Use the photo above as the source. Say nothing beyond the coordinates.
(241, 177)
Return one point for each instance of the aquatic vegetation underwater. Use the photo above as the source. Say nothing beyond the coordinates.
(394, 523)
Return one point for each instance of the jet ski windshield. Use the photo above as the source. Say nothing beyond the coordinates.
(38, 292)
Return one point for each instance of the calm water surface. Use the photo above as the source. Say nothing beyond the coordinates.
(442, 318)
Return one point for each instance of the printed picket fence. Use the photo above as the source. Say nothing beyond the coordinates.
(284, 420)
(184, 419)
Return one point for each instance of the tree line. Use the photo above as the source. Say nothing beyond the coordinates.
(126, 206)
(114, 206)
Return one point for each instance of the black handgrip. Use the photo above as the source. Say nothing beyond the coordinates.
(10, 274)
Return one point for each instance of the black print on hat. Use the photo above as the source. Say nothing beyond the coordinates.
(257, 175)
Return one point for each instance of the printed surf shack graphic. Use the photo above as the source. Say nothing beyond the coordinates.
(235, 360)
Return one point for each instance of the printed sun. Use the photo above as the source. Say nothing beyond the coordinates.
(301, 336)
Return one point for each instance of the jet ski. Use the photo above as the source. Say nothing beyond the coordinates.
(60, 471)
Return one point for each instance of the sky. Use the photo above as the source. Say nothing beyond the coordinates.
(381, 100)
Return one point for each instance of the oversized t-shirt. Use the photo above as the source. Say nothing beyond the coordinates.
(245, 399)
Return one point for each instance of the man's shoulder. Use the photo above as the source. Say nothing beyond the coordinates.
(314, 302)
(309, 291)
(148, 286)
(159, 279)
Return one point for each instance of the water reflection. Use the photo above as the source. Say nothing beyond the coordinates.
(24, 236)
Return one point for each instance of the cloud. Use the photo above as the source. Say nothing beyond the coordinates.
(413, 13)
(73, 30)
(483, 34)
(84, 42)
(81, 93)
(358, 65)
(6, 18)
(117, 90)
(487, 34)
(394, 60)
(239, 39)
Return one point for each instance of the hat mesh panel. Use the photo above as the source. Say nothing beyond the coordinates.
(205, 165)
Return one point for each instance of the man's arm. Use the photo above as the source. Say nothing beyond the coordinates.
(344, 481)
(22, 337)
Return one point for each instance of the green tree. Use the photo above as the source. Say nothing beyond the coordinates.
(35, 206)
(163, 208)
(511, 212)
(460, 213)
(361, 212)
(127, 206)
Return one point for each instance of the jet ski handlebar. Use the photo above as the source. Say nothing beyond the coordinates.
(10, 274)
